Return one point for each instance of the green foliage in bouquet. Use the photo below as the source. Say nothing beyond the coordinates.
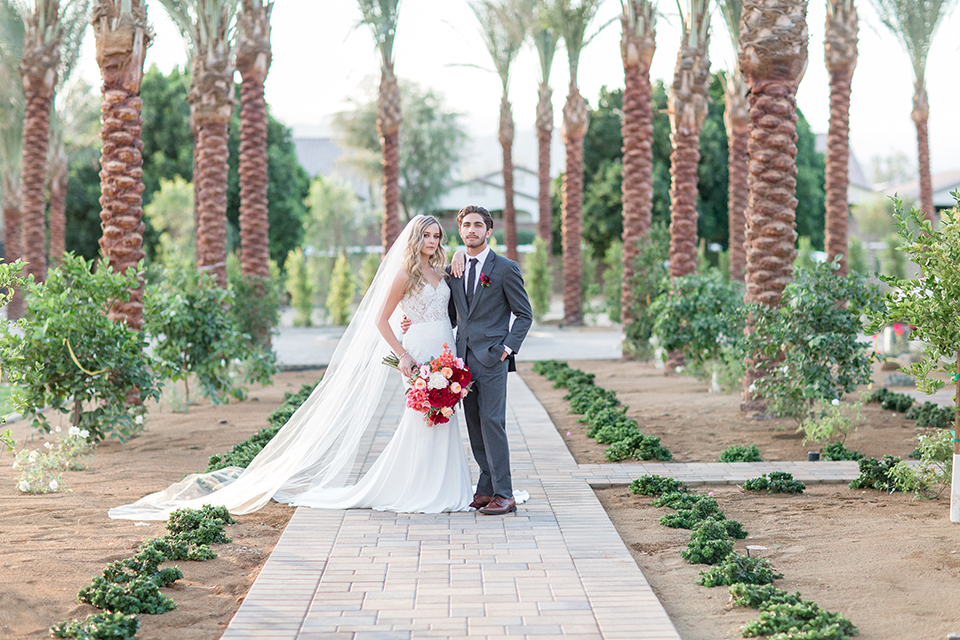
(741, 453)
(736, 569)
(195, 335)
(653, 485)
(776, 482)
(68, 355)
(811, 340)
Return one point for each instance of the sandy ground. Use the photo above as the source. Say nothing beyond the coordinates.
(890, 564)
(53, 544)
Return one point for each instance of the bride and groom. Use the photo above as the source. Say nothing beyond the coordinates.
(314, 459)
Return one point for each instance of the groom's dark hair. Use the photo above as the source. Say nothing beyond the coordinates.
(475, 208)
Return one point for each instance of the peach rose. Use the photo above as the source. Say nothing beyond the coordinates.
(420, 383)
(447, 412)
(447, 372)
(455, 387)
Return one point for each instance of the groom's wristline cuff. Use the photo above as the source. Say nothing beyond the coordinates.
(508, 350)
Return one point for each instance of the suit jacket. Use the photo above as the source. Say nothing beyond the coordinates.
(485, 325)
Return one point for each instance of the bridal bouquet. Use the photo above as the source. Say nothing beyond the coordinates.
(436, 386)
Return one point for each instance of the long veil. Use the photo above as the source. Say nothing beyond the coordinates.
(318, 446)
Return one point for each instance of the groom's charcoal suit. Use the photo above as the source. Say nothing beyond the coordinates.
(483, 329)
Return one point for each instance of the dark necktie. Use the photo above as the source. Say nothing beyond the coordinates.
(471, 281)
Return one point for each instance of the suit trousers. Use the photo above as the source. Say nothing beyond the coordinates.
(485, 411)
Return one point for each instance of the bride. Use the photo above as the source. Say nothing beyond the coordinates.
(312, 460)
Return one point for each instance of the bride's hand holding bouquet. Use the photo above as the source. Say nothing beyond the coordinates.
(435, 386)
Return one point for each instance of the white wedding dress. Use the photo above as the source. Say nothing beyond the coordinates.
(423, 469)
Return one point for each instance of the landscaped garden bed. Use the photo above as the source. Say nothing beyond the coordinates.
(56, 543)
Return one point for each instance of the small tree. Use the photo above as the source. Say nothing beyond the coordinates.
(302, 286)
(928, 301)
(539, 278)
(343, 287)
(72, 358)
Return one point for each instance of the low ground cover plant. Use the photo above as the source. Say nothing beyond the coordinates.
(776, 482)
(837, 451)
(930, 478)
(131, 587)
(605, 419)
(891, 400)
(930, 415)
(654, 485)
(738, 569)
(741, 453)
(877, 474)
(801, 621)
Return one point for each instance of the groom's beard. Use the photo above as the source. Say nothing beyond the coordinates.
(475, 243)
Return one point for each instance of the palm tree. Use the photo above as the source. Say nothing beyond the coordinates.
(209, 27)
(381, 17)
(503, 26)
(253, 62)
(75, 21)
(736, 117)
(914, 22)
(571, 18)
(545, 38)
(11, 138)
(840, 47)
(687, 108)
(122, 36)
(637, 46)
(38, 72)
(773, 57)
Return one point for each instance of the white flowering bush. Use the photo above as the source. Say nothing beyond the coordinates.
(41, 470)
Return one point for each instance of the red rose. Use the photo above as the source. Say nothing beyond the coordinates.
(484, 280)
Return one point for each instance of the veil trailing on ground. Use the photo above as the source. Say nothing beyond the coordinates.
(319, 444)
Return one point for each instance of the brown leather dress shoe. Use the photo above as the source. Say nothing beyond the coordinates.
(499, 506)
(480, 500)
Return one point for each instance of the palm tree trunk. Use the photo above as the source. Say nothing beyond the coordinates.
(58, 201)
(544, 137)
(121, 188)
(837, 176)
(509, 213)
(33, 203)
(575, 120)
(388, 127)
(920, 115)
(212, 176)
(637, 130)
(840, 55)
(254, 224)
(12, 248)
(737, 120)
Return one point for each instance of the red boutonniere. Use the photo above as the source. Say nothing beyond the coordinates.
(484, 280)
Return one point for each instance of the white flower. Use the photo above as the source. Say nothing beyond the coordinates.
(33, 457)
(752, 388)
(74, 431)
(785, 369)
(15, 464)
(58, 429)
(437, 381)
(84, 433)
(835, 402)
(138, 419)
(47, 445)
(54, 485)
(24, 486)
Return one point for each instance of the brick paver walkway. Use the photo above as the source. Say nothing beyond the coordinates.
(556, 568)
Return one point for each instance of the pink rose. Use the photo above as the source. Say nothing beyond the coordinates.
(460, 363)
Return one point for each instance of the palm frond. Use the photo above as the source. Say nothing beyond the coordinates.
(914, 22)
(503, 26)
(571, 19)
(731, 11)
(74, 20)
(381, 16)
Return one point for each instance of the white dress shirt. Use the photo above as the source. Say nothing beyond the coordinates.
(480, 258)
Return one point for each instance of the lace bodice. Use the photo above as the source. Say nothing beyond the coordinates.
(428, 304)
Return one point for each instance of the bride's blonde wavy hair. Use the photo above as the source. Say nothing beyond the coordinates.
(411, 257)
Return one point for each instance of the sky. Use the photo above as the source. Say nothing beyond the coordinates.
(321, 57)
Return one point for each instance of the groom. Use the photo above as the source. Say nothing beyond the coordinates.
(481, 302)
